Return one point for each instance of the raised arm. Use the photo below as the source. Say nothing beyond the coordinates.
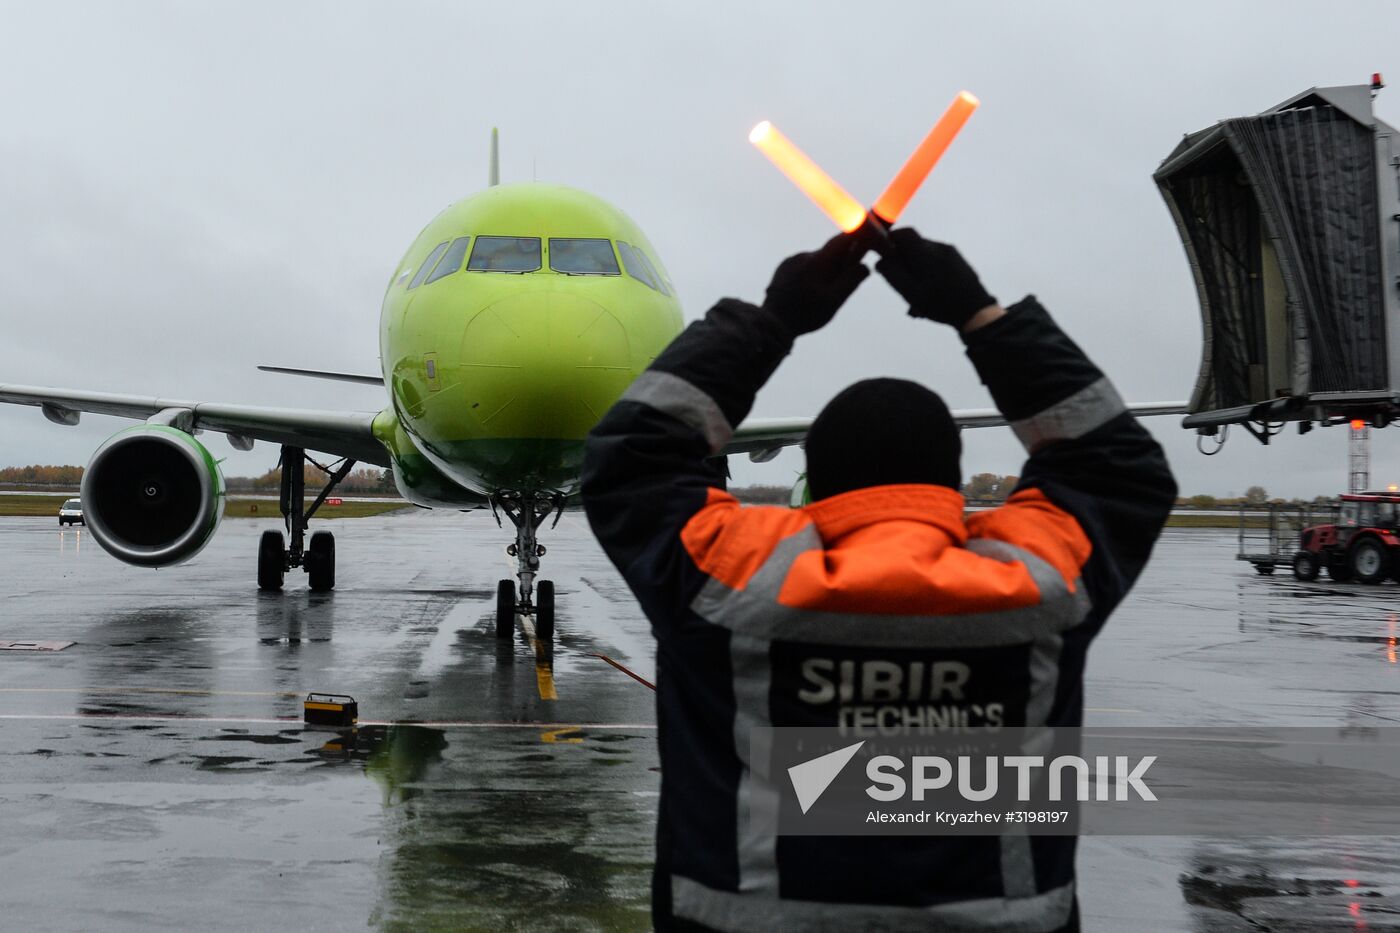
(645, 474)
(1089, 457)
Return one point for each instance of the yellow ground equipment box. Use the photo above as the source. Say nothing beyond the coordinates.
(330, 709)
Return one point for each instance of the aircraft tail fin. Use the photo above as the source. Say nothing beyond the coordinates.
(494, 178)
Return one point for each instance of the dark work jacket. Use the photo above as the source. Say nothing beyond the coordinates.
(745, 602)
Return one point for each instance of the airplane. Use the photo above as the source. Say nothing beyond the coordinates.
(513, 322)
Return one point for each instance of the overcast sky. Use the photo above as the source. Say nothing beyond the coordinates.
(190, 190)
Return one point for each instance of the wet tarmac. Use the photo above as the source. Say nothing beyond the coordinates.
(157, 775)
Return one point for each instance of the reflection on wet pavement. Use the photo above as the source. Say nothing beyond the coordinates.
(1288, 885)
(158, 775)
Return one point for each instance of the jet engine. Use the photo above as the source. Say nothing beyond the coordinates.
(152, 495)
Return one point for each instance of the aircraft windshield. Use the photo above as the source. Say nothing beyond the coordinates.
(451, 260)
(640, 267)
(582, 257)
(505, 254)
(428, 264)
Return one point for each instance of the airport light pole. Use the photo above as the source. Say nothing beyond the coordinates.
(1359, 456)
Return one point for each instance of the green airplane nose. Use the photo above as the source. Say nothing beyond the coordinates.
(543, 364)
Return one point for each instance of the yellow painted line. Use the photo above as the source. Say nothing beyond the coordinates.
(544, 669)
(194, 693)
(544, 680)
(561, 737)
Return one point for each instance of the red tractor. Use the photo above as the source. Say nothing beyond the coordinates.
(1363, 545)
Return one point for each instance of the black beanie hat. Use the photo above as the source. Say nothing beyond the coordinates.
(879, 432)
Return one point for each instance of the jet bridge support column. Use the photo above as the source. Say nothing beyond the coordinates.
(1359, 457)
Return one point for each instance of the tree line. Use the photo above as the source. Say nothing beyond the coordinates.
(982, 487)
(993, 487)
(365, 479)
(37, 475)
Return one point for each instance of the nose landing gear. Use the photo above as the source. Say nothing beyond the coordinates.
(527, 512)
(276, 557)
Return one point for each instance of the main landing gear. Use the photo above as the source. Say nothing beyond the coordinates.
(275, 556)
(527, 512)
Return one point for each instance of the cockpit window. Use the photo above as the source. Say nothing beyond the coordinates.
(582, 257)
(451, 260)
(640, 267)
(505, 254)
(660, 282)
(428, 264)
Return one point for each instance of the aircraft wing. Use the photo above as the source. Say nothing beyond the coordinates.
(344, 434)
(763, 438)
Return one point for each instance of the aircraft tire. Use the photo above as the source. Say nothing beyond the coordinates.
(505, 609)
(271, 560)
(320, 562)
(544, 610)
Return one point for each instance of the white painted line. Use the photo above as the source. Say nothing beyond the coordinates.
(155, 690)
(296, 721)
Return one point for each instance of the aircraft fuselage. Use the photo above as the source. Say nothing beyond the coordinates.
(514, 321)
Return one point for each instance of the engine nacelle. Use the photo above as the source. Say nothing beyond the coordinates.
(152, 496)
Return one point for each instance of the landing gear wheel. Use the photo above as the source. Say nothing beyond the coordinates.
(320, 562)
(1305, 566)
(544, 610)
(505, 609)
(1369, 560)
(271, 560)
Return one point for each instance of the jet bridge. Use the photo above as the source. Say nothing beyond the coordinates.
(1291, 224)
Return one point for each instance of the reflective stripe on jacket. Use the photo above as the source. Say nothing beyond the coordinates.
(881, 602)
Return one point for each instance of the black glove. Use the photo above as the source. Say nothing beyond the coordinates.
(809, 288)
(934, 278)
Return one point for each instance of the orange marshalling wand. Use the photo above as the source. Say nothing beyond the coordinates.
(845, 211)
(896, 197)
